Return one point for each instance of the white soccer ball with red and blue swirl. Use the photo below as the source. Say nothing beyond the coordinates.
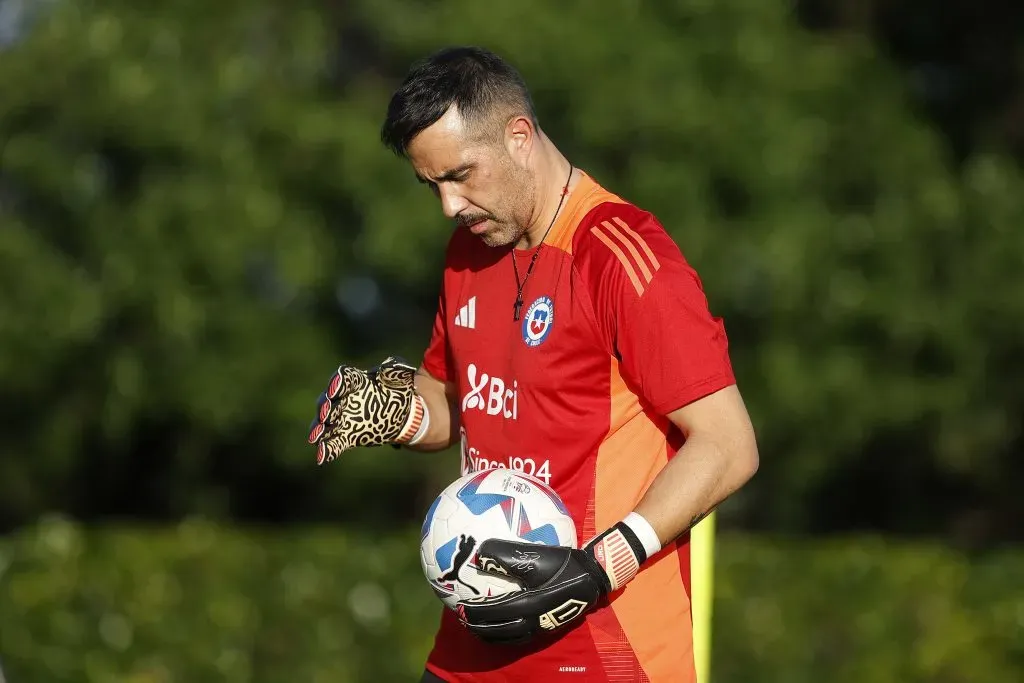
(493, 503)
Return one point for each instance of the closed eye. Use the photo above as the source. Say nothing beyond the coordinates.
(459, 174)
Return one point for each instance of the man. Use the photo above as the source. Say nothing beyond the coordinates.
(572, 341)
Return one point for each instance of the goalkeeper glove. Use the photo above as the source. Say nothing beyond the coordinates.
(560, 584)
(368, 408)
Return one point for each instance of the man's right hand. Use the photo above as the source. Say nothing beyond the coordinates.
(366, 408)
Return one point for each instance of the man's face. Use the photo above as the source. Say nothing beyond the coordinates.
(481, 185)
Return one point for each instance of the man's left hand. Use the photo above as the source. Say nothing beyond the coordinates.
(559, 584)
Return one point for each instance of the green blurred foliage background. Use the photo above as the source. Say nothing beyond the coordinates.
(198, 223)
(208, 604)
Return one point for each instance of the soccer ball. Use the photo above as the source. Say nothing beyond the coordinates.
(493, 503)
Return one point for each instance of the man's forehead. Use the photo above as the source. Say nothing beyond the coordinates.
(442, 149)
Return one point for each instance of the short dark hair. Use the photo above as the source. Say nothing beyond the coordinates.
(478, 82)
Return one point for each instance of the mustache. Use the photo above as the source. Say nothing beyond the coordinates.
(465, 220)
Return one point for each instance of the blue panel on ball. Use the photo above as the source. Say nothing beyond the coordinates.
(429, 518)
(544, 534)
(444, 554)
(479, 503)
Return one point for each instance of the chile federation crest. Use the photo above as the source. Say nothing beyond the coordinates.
(540, 316)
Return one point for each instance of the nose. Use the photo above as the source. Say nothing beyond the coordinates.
(452, 203)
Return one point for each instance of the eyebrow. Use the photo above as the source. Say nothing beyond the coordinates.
(450, 174)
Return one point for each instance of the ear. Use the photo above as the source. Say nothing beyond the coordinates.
(519, 138)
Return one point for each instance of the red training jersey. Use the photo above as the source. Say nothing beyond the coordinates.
(614, 334)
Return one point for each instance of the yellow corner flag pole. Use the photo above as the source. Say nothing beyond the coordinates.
(702, 570)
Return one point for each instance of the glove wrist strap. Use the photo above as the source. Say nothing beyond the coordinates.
(622, 549)
(619, 553)
(417, 424)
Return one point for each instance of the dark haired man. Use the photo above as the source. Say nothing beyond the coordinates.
(573, 342)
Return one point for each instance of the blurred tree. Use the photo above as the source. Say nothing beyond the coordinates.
(963, 59)
(181, 200)
(199, 222)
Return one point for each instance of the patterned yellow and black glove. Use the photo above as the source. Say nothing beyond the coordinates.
(368, 408)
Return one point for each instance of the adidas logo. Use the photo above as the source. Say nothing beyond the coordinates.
(467, 315)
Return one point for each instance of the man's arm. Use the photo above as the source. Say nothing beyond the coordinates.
(719, 456)
(440, 399)
(653, 316)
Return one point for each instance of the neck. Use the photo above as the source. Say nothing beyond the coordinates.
(552, 183)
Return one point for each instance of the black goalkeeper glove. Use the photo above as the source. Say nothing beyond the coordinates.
(367, 408)
(560, 584)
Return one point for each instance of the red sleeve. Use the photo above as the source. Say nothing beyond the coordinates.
(651, 308)
(436, 357)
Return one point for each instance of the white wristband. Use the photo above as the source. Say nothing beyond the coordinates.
(644, 532)
(418, 423)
